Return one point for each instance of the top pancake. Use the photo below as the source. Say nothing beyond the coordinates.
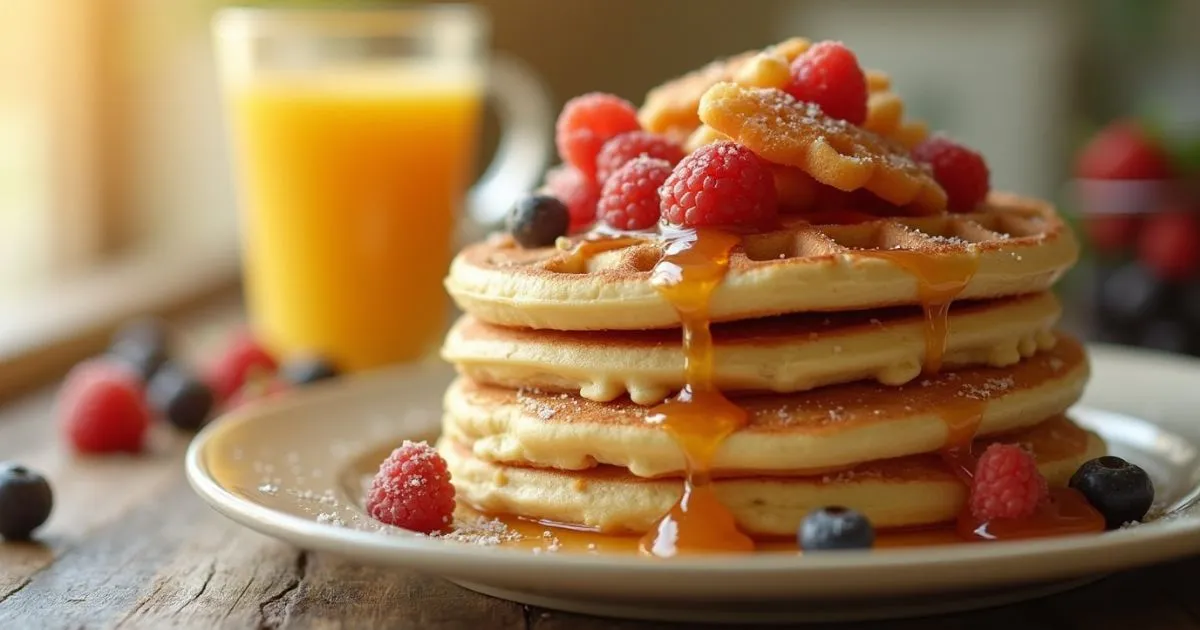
(1014, 245)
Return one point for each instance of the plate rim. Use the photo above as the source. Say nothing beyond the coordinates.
(1119, 549)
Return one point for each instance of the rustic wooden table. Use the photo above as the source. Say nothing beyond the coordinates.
(130, 546)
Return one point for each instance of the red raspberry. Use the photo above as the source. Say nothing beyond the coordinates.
(960, 171)
(720, 184)
(1123, 150)
(577, 192)
(630, 197)
(1111, 233)
(586, 123)
(243, 359)
(625, 147)
(1007, 484)
(1170, 244)
(828, 74)
(412, 489)
(102, 408)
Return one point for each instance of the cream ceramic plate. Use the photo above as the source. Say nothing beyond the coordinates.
(293, 469)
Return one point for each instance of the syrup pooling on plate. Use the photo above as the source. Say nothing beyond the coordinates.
(700, 417)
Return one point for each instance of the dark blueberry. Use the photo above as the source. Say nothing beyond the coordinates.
(184, 400)
(1166, 335)
(835, 528)
(1121, 491)
(309, 369)
(1189, 304)
(1131, 295)
(143, 344)
(538, 220)
(25, 501)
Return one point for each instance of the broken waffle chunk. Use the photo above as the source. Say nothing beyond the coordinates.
(884, 112)
(785, 131)
(701, 136)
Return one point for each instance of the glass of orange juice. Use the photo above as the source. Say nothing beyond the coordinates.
(354, 132)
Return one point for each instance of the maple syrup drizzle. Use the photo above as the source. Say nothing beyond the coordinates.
(700, 417)
(939, 281)
(578, 253)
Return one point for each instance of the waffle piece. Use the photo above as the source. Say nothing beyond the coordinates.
(1015, 245)
(822, 429)
(671, 107)
(784, 354)
(785, 131)
(903, 492)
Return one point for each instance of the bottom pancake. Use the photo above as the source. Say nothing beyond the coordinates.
(903, 492)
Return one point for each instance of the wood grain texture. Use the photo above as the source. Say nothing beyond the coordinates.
(130, 546)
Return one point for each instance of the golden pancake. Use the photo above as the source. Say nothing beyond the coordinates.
(784, 354)
(905, 492)
(1012, 246)
(826, 428)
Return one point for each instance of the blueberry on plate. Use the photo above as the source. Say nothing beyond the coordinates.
(308, 369)
(835, 528)
(538, 220)
(184, 400)
(1120, 491)
(143, 344)
(25, 501)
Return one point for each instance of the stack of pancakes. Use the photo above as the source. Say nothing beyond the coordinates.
(862, 352)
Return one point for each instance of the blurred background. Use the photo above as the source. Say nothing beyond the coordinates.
(115, 184)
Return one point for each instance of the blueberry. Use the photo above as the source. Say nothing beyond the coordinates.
(184, 400)
(143, 344)
(308, 369)
(25, 501)
(1166, 335)
(835, 528)
(538, 220)
(1121, 491)
(1131, 294)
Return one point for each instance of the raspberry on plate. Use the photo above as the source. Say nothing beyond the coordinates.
(961, 172)
(242, 359)
(586, 123)
(623, 148)
(412, 489)
(102, 408)
(630, 197)
(720, 184)
(1007, 484)
(577, 192)
(828, 74)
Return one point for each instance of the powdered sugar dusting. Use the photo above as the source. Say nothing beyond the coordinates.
(986, 390)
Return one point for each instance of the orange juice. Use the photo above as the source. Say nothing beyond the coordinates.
(351, 186)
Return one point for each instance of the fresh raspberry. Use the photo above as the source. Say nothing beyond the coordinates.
(243, 359)
(720, 184)
(630, 197)
(625, 147)
(961, 172)
(1007, 484)
(1123, 151)
(586, 123)
(828, 74)
(577, 192)
(1111, 233)
(1170, 244)
(103, 409)
(412, 489)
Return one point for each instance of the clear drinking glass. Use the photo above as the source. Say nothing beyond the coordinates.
(354, 132)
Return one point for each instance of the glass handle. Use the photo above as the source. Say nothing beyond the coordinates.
(523, 105)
